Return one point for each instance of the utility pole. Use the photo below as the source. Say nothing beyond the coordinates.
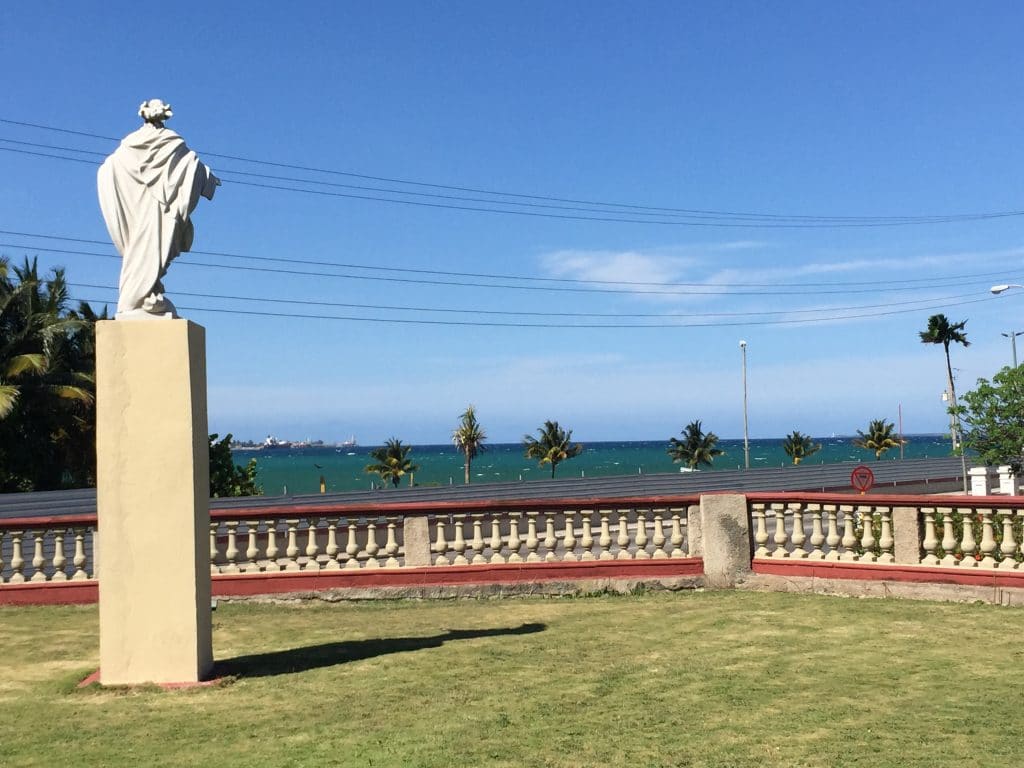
(1012, 336)
(746, 434)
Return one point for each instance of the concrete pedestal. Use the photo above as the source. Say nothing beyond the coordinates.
(153, 478)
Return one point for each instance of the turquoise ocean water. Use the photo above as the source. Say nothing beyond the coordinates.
(299, 470)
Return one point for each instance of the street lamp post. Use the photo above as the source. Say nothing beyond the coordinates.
(1012, 336)
(746, 434)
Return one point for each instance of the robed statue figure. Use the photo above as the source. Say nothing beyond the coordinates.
(148, 189)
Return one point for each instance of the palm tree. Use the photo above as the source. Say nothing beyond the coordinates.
(47, 364)
(553, 445)
(469, 437)
(878, 438)
(695, 448)
(393, 461)
(799, 446)
(941, 331)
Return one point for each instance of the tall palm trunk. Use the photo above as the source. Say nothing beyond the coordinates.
(469, 462)
(954, 419)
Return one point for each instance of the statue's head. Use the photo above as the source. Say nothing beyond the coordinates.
(155, 112)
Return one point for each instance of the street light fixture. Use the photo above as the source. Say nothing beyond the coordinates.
(997, 289)
(746, 436)
(1012, 336)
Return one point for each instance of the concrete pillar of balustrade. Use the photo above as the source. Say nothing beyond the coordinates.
(416, 540)
(907, 535)
(694, 533)
(980, 480)
(726, 545)
(153, 488)
(1009, 483)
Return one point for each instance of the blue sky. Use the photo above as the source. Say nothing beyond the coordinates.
(853, 109)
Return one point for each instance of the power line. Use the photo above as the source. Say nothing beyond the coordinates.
(948, 281)
(562, 326)
(472, 284)
(830, 221)
(520, 313)
(549, 206)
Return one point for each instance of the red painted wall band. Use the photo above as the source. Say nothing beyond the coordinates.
(973, 577)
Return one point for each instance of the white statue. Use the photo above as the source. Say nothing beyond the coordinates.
(148, 188)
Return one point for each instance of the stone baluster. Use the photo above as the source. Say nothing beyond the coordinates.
(849, 540)
(312, 549)
(372, 547)
(332, 549)
(832, 538)
(252, 550)
(37, 556)
(213, 545)
(352, 543)
(272, 551)
(17, 559)
(886, 542)
(550, 540)
(604, 540)
(441, 543)
(231, 553)
(968, 545)
(867, 537)
(1008, 548)
(587, 536)
(623, 538)
(459, 544)
(514, 541)
(799, 537)
(641, 536)
(780, 538)
(291, 551)
(930, 544)
(391, 545)
(948, 539)
(817, 534)
(658, 539)
(478, 541)
(79, 558)
(677, 537)
(757, 511)
(988, 540)
(59, 560)
(532, 541)
(495, 543)
(569, 538)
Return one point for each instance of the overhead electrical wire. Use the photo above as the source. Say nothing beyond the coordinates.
(562, 326)
(946, 281)
(492, 286)
(695, 217)
(520, 313)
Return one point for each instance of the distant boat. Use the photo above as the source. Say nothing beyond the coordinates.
(350, 443)
(272, 443)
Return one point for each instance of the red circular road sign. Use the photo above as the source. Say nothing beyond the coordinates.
(862, 478)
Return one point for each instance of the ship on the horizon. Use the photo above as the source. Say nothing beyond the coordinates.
(273, 443)
(350, 443)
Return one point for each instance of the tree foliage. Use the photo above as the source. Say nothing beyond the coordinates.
(47, 382)
(696, 448)
(469, 438)
(553, 445)
(392, 461)
(228, 478)
(992, 416)
(879, 437)
(799, 446)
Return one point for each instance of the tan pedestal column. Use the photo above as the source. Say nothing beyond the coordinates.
(153, 476)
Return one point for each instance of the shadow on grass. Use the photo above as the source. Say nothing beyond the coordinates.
(329, 654)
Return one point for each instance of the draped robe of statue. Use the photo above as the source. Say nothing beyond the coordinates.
(148, 188)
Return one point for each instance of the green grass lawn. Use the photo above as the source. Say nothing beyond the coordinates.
(705, 679)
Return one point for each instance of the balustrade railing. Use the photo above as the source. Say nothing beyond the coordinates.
(318, 543)
(46, 552)
(559, 536)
